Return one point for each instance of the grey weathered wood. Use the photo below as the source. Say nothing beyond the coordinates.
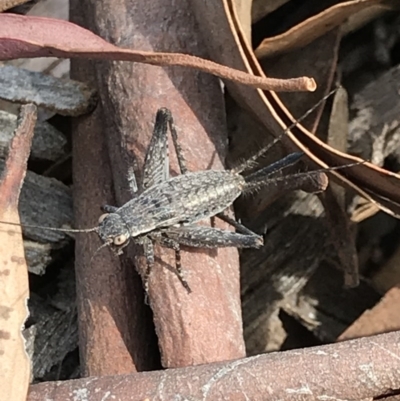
(296, 242)
(48, 143)
(374, 130)
(66, 97)
(314, 308)
(51, 331)
(47, 202)
(38, 256)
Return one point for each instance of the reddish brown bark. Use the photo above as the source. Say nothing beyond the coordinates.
(206, 325)
(115, 328)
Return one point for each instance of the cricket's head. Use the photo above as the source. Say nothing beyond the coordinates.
(113, 231)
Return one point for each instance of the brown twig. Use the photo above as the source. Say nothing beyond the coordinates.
(115, 329)
(205, 326)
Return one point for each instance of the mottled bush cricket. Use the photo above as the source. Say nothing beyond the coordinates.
(166, 209)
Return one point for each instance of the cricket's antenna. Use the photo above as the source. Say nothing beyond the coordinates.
(250, 162)
(63, 230)
(98, 250)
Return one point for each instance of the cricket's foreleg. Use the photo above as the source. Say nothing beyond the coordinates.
(209, 237)
(132, 183)
(109, 209)
(172, 244)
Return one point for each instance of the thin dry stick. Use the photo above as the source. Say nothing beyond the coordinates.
(22, 36)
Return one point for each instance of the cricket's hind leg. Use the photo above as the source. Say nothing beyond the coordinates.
(209, 237)
(156, 165)
(178, 149)
(203, 237)
(172, 244)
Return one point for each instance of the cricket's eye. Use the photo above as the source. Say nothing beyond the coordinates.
(102, 217)
(120, 239)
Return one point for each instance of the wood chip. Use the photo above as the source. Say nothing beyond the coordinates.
(66, 97)
(48, 143)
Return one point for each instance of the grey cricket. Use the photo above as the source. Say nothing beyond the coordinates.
(167, 209)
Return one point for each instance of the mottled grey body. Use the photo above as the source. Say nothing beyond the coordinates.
(185, 199)
(167, 209)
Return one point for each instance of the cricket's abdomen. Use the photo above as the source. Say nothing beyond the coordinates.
(184, 199)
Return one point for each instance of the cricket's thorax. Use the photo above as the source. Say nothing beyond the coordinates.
(184, 199)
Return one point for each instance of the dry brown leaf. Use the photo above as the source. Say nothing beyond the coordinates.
(14, 286)
(358, 20)
(311, 29)
(243, 9)
(319, 58)
(364, 210)
(23, 37)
